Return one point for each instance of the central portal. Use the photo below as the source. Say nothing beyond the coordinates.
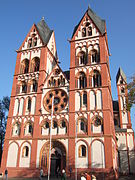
(57, 159)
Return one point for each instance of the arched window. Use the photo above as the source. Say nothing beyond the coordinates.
(63, 124)
(28, 129)
(85, 98)
(82, 126)
(35, 41)
(82, 80)
(87, 29)
(35, 63)
(81, 58)
(61, 81)
(30, 43)
(24, 66)
(96, 79)
(54, 124)
(95, 56)
(47, 125)
(84, 32)
(16, 129)
(82, 151)
(24, 87)
(25, 151)
(122, 90)
(35, 85)
(29, 104)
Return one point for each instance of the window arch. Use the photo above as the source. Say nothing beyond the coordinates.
(25, 151)
(94, 55)
(45, 128)
(96, 79)
(35, 63)
(34, 86)
(29, 104)
(24, 66)
(28, 129)
(55, 124)
(24, 87)
(82, 151)
(82, 80)
(16, 129)
(32, 42)
(63, 124)
(82, 125)
(81, 58)
(87, 29)
(85, 98)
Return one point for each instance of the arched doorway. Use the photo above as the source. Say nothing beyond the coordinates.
(58, 157)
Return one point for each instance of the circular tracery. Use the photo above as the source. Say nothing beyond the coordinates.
(60, 100)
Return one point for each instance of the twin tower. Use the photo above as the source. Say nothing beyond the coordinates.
(90, 132)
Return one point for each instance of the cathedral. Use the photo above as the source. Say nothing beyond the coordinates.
(67, 119)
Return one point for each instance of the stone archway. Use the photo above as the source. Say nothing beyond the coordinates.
(58, 157)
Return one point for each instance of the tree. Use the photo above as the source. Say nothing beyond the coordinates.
(4, 108)
(131, 93)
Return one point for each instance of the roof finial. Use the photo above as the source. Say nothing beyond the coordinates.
(89, 6)
(43, 18)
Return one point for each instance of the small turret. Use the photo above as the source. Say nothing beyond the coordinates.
(121, 80)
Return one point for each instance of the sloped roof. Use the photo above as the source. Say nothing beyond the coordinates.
(121, 73)
(100, 23)
(44, 31)
(67, 74)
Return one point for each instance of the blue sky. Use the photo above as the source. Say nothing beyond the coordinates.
(17, 17)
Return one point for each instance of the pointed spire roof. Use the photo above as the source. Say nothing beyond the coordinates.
(44, 31)
(100, 23)
(122, 74)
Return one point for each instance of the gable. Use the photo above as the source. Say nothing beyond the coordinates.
(33, 39)
(38, 35)
(57, 78)
(91, 22)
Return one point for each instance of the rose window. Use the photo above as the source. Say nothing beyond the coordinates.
(60, 100)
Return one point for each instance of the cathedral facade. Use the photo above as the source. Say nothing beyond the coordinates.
(89, 131)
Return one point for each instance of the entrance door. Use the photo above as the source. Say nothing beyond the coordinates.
(55, 164)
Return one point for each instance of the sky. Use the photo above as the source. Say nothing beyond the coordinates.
(17, 17)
